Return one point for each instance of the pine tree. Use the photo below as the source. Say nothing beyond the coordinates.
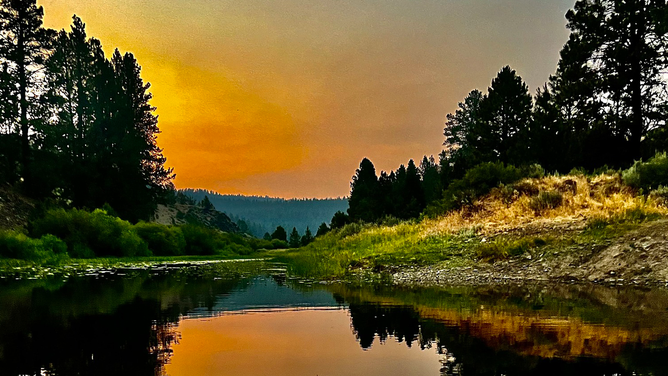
(610, 84)
(295, 239)
(280, 234)
(267, 236)
(363, 202)
(322, 230)
(23, 43)
(506, 114)
(431, 181)
(307, 238)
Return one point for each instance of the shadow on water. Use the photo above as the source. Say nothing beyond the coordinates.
(130, 325)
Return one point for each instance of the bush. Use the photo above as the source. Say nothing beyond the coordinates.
(18, 246)
(351, 229)
(162, 240)
(200, 240)
(206, 241)
(90, 234)
(479, 181)
(546, 200)
(660, 195)
(648, 175)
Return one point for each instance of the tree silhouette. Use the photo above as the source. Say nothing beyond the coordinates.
(23, 41)
(307, 238)
(295, 239)
(363, 203)
(280, 234)
(322, 230)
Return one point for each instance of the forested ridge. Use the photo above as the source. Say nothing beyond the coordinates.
(262, 215)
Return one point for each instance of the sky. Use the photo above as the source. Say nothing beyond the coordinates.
(285, 97)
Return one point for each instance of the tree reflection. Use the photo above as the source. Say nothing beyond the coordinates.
(508, 341)
(98, 327)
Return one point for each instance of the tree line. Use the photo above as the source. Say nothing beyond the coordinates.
(76, 125)
(604, 107)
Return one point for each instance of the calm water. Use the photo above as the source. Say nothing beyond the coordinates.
(215, 320)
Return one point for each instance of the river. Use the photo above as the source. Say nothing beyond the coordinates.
(250, 319)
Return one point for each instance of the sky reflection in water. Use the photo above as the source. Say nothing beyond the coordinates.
(195, 323)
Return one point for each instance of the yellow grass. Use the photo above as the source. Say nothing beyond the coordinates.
(603, 196)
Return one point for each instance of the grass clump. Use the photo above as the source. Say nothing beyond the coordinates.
(504, 248)
(546, 200)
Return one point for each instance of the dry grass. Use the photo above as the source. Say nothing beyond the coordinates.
(509, 208)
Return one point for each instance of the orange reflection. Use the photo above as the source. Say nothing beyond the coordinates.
(289, 343)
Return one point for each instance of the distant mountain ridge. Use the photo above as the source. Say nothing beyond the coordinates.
(264, 214)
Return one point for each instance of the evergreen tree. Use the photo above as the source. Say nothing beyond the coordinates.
(610, 84)
(467, 141)
(339, 220)
(506, 114)
(280, 234)
(363, 202)
(23, 46)
(207, 205)
(266, 236)
(322, 230)
(295, 239)
(431, 181)
(413, 193)
(307, 238)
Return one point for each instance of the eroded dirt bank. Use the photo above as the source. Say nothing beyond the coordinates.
(639, 257)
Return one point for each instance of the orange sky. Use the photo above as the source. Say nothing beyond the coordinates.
(285, 97)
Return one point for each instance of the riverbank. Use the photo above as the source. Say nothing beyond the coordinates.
(566, 229)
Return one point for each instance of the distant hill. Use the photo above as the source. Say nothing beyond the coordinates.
(264, 214)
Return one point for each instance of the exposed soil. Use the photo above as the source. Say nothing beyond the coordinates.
(639, 257)
(14, 209)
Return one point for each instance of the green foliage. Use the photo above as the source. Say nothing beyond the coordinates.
(307, 238)
(280, 234)
(339, 220)
(47, 249)
(91, 234)
(546, 200)
(206, 241)
(295, 239)
(162, 240)
(660, 195)
(322, 230)
(477, 182)
(648, 175)
(504, 248)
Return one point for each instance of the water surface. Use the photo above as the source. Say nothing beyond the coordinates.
(241, 320)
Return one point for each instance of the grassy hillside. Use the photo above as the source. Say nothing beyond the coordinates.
(526, 219)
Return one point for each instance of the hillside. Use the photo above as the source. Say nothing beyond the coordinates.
(179, 214)
(567, 228)
(264, 214)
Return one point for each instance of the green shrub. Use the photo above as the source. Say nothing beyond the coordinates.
(162, 240)
(351, 229)
(279, 244)
(660, 195)
(90, 234)
(546, 200)
(502, 249)
(479, 181)
(200, 240)
(648, 175)
(19, 246)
